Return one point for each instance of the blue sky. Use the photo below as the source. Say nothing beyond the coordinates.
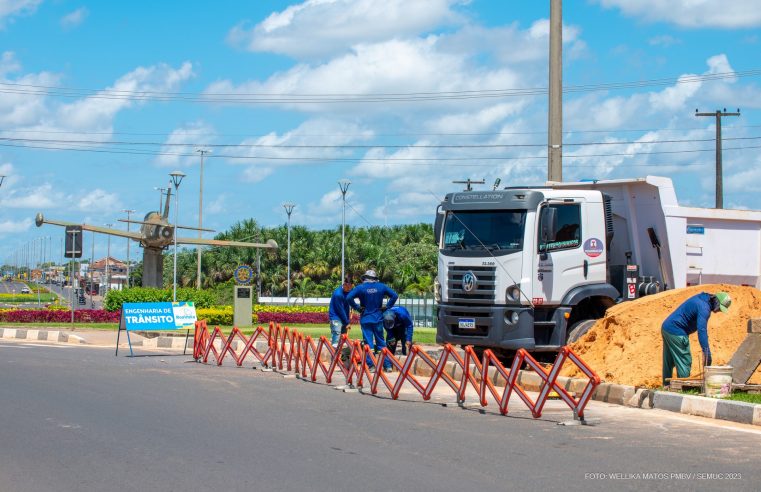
(99, 101)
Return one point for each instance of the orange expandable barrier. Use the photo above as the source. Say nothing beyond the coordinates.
(291, 350)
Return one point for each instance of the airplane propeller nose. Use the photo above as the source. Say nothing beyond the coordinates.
(39, 219)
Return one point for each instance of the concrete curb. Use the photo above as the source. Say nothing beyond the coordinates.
(712, 408)
(40, 335)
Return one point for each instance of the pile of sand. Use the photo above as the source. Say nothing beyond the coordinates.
(625, 346)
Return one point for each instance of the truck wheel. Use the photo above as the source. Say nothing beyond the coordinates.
(580, 328)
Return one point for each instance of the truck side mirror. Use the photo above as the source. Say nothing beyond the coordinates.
(548, 225)
(438, 224)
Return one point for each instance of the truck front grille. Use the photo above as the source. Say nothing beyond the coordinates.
(483, 293)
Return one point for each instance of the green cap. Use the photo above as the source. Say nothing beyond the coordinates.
(724, 301)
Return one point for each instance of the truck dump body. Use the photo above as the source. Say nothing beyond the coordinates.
(698, 245)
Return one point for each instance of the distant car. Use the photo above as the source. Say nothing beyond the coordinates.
(25, 290)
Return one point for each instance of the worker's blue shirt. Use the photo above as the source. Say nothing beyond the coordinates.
(370, 296)
(339, 307)
(690, 317)
(403, 321)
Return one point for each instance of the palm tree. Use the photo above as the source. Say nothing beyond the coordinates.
(304, 288)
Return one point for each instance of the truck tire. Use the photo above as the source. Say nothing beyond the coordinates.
(579, 329)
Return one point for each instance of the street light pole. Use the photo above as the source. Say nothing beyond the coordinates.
(108, 261)
(128, 212)
(200, 220)
(344, 186)
(289, 210)
(92, 272)
(176, 180)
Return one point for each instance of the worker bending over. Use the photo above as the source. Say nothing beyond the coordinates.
(688, 318)
(399, 327)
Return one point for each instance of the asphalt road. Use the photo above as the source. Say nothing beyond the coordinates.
(10, 287)
(80, 419)
(65, 292)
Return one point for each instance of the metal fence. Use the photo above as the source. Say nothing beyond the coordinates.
(422, 309)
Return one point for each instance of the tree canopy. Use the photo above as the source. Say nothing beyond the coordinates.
(404, 256)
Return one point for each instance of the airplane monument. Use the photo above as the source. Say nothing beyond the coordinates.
(155, 235)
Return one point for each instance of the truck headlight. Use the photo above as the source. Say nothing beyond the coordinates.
(513, 294)
(512, 317)
(436, 289)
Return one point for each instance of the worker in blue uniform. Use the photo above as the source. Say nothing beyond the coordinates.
(371, 294)
(688, 318)
(339, 312)
(399, 328)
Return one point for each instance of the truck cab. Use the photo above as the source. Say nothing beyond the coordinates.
(518, 267)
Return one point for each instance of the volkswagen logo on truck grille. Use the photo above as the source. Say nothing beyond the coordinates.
(469, 282)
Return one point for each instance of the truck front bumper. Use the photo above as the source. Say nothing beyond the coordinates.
(494, 327)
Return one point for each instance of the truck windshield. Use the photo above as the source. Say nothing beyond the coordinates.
(479, 229)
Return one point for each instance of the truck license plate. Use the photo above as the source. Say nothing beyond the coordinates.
(467, 323)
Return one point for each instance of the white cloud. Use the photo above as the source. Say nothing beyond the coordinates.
(75, 18)
(664, 40)
(40, 197)
(311, 143)
(320, 27)
(326, 211)
(93, 115)
(99, 201)
(13, 8)
(217, 206)
(692, 13)
(186, 140)
(390, 67)
(10, 226)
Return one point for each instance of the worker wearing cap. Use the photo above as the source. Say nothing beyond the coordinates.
(399, 327)
(371, 294)
(339, 312)
(688, 318)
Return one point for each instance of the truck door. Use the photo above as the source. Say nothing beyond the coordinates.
(559, 261)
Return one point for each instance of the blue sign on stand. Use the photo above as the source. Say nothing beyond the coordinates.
(156, 316)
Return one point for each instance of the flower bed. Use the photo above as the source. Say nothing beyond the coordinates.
(58, 316)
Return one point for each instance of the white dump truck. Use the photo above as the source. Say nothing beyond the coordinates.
(529, 267)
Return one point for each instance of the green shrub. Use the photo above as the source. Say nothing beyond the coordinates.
(115, 298)
(220, 315)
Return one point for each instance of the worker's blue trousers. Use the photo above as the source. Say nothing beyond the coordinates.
(373, 336)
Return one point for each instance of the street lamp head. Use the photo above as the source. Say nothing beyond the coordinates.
(344, 185)
(203, 151)
(177, 178)
(288, 206)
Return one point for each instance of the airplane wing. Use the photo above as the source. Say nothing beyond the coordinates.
(271, 244)
(40, 220)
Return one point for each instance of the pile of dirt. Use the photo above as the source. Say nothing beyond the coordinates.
(625, 346)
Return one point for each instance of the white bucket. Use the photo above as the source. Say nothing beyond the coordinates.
(718, 381)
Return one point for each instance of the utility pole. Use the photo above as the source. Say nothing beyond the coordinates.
(200, 220)
(719, 172)
(128, 212)
(555, 120)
